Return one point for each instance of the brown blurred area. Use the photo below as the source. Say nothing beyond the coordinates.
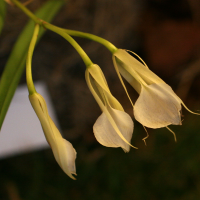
(166, 34)
(170, 34)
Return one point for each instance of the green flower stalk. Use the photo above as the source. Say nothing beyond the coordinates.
(63, 150)
(62, 33)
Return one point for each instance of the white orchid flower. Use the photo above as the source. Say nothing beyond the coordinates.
(63, 150)
(114, 127)
(157, 105)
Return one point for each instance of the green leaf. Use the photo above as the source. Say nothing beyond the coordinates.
(16, 62)
(2, 13)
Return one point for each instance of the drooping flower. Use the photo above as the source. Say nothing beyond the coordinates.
(157, 105)
(114, 127)
(63, 150)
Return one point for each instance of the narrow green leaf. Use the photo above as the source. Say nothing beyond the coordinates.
(2, 13)
(16, 62)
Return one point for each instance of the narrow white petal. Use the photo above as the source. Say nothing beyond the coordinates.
(157, 106)
(106, 134)
(120, 78)
(119, 66)
(95, 73)
(132, 65)
(93, 89)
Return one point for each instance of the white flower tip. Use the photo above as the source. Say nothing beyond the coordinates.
(67, 159)
(64, 152)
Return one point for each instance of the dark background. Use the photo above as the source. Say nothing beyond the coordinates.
(166, 34)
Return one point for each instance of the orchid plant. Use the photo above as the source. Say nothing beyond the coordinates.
(157, 105)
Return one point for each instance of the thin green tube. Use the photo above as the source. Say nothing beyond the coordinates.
(60, 31)
(29, 79)
(95, 38)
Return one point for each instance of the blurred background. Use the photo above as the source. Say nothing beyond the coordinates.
(166, 34)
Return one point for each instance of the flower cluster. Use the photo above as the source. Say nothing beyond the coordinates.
(157, 105)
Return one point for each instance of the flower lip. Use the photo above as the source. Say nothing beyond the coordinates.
(157, 107)
(106, 134)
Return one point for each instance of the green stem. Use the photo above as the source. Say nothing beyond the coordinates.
(29, 79)
(95, 38)
(27, 11)
(60, 31)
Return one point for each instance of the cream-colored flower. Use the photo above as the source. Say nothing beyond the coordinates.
(63, 150)
(114, 127)
(157, 106)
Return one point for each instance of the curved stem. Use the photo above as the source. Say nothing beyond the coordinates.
(66, 34)
(27, 11)
(95, 38)
(29, 79)
(60, 31)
